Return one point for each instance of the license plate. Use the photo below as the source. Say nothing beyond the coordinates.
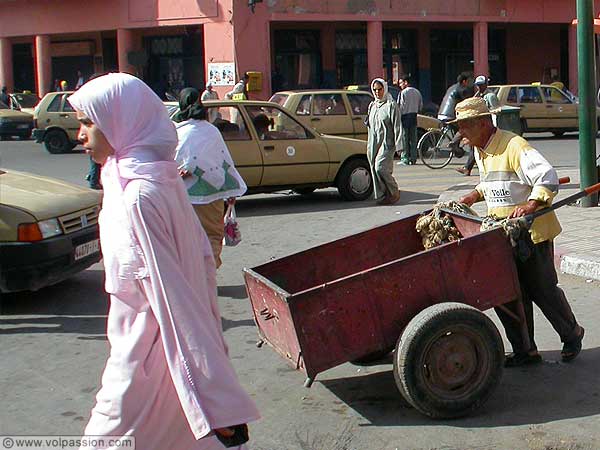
(87, 249)
(22, 126)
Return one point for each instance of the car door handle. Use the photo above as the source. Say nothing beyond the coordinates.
(269, 147)
(549, 106)
(315, 119)
(357, 118)
(66, 116)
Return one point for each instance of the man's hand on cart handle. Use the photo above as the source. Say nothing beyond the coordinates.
(525, 209)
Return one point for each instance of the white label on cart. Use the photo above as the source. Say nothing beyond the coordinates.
(87, 249)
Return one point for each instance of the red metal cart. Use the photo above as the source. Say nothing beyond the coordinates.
(379, 290)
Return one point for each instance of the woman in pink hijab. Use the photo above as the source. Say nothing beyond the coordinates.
(168, 380)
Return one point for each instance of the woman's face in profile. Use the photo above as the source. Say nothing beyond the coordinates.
(93, 140)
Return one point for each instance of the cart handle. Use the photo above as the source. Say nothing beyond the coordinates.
(528, 219)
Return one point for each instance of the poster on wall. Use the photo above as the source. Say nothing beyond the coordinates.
(221, 74)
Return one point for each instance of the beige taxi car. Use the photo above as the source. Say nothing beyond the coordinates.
(338, 112)
(543, 107)
(56, 124)
(273, 151)
(48, 230)
(14, 123)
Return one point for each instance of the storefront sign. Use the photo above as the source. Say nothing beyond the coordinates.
(221, 74)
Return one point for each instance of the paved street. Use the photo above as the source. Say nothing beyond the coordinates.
(54, 345)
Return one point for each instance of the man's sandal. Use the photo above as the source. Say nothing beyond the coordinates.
(522, 359)
(572, 348)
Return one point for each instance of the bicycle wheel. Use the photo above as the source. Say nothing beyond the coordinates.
(434, 149)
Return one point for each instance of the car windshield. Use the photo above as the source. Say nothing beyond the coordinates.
(279, 99)
(27, 100)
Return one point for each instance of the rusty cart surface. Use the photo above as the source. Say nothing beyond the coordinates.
(378, 291)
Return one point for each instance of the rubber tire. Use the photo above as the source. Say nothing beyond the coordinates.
(425, 333)
(558, 133)
(304, 191)
(425, 143)
(343, 180)
(56, 142)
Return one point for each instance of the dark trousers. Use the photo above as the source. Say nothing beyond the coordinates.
(538, 280)
(94, 174)
(409, 136)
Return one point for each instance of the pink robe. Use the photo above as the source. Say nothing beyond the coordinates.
(168, 380)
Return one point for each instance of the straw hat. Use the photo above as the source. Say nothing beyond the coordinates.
(471, 108)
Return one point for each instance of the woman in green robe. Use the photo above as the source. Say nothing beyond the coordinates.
(384, 140)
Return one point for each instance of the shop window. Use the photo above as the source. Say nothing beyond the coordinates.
(229, 121)
(328, 105)
(360, 103)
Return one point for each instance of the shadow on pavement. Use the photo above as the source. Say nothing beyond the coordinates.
(534, 395)
(235, 291)
(326, 200)
(78, 305)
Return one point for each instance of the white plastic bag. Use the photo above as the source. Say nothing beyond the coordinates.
(233, 235)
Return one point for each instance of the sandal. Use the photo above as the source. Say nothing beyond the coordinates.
(571, 349)
(522, 359)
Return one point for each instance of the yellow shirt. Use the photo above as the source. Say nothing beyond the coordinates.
(512, 173)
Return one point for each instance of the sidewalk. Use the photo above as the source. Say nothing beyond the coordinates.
(578, 246)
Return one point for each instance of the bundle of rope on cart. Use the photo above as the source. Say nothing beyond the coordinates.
(437, 228)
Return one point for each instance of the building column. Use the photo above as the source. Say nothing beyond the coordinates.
(480, 49)
(125, 44)
(375, 49)
(573, 72)
(43, 65)
(6, 64)
(328, 56)
(424, 63)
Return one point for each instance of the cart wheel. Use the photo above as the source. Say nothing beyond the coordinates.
(448, 360)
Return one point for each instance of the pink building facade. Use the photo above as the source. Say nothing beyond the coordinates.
(291, 43)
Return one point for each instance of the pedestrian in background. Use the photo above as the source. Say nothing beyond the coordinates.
(516, 180)
(492, 102)
(241, 87)
(210, 94)
(411, 103)
(206, 167)
(64, 86)
(80, 80)
(456, 93)
(4, 97)
(384, 140)
(168, 380)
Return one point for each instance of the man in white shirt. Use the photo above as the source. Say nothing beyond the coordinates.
(410, 102)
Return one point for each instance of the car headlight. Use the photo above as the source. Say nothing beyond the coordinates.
(49, 228)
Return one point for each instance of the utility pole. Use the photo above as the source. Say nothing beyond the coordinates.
(588, 173)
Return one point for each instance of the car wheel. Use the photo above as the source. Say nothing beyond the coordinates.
(56, 141)
(558, 133)
(354, 181)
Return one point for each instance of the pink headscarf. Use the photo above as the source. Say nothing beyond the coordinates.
(136, 124)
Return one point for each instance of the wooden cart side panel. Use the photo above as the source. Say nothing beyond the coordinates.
(335, 324)
(480, 271)
(344, 257)
(273, 319)
(365, 313)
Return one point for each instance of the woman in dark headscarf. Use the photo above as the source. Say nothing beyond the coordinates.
(206, 167)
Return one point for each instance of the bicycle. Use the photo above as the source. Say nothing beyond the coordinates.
(434, 146)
